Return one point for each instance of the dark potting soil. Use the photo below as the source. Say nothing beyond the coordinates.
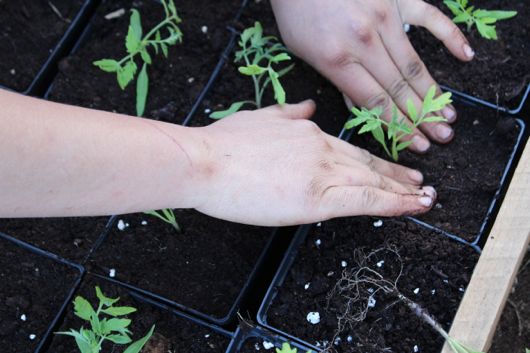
(254, 344)
(513, 332)
(31, 285)
(174, 83)
(466, 172)
(203, 268)
(435, 273)
(70, 238)
(302, 83)
(29, 31)
(500, 71)
(172, 333)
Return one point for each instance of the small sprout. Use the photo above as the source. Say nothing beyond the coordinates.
(135, 44)
(167, 215)
(286, 348)
(397, 130)
(259, 53)
(484, 19)
(113, 328)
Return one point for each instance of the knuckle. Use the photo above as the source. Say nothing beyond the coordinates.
(316, 188)
(398, 88)
(414, 70)
(379, 100)
(362, 31)
(368, 197)
(339, 58)
(325, 165)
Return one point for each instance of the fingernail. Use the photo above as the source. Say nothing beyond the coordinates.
(430, 191)
(449, 113)
(468, 51)
(426, 201)
(416, 176)
(421, 144)
(444, 132)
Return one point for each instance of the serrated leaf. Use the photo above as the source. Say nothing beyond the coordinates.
(453, 6)
(498, 15)
(82, 342)
(286, 348)
(224, 113)
(134, 34)
(137, 346)
(280, 57)
(83, 309)
(118, 325)
(126, 74)
(119, 339)
(462, 17)
(106, 301)
(251, 70)
(379, 135)
(145, 56)
(107, 65)
(279, 92)
(370, 126)
(411, 109)
(438, 103)
(136, 24)
(119, 310)
(486, 31)
(403, 145)
(142, 88)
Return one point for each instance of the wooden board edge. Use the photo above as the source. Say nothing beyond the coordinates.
(486, 295)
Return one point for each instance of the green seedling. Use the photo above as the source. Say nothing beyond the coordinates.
(259, 54)
(167, 215)
(113, 328)
(485, 20)
(398, 129)
(138, 45)
(286, 348)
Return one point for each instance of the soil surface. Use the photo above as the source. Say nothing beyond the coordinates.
(29, 32)
(435, 273)
(513, 332)
(301, 83)
(203, 268)
(172, 333)
(174, 83)
(253, 345)
(31, 285)
(466, 172)
(70, 238)
(500, 71)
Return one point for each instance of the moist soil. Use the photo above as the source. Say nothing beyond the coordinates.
(172, 333)
(435, 273)
(70, 238)
(513, 332)
(203, 268)
(500, 71)
(301, 83)
(29, 32)
(466, 173)
(174, 83)
(34, 286)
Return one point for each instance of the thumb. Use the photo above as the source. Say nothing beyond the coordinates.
(302, 110)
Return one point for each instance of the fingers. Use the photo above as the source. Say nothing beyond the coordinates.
(344, 201)
(434, 20)
(302, 110)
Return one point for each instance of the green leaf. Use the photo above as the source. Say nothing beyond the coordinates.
(438, 103)
(126, 74)
(145, 56)
(83, 309)
(462, 18)
(172, 8)
(103, 299)
(251, 70)
(137, 346)
(286, 348)
(107, 65)
(279, 92)
(411, 108)
(142, 88)
(433, 119)
(118, 325)
(224, 113)
(119, 339)
(498, 15)
(119, 310)
(82, 342)
(403, 145)
(453, 6)
(134, 34)
(280, 57)
(379, 135)
(486, 31)
(164, 49)
(370, 126)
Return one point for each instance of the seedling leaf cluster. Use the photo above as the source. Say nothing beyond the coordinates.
(398, 129)
(485, 20)
(113, 328)
(136, 45)
(259, 54)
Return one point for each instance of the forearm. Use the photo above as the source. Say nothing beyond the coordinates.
(59, 160)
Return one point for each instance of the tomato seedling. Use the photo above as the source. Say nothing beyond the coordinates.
(113, 328)
(392, 142)
(485, 20)
(259, 54)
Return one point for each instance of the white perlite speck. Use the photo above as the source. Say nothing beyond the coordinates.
(371, 302)
(207, 111)
(343, 264)
(416, 291)
(121, 225)
(337, 341)
(433, 292)
(306, 286)
(12, 72)
(349, 339)
(313, 317)
(204, 29)
(378, 223)
(23, 317)
(144, 223)
(112, 273)
(416, 348)
(268, 345)
(207, 335)
(115, 14)
(32, 336)
(191, 79)
(406, 27)
(380, 263)
(319, 224)
(461, 289)
(318, 242)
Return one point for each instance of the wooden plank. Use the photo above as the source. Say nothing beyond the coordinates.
(492, 280)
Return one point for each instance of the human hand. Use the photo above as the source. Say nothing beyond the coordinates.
(273, 167)
(360, 45)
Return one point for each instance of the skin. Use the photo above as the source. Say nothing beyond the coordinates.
(364, 50)
(267, 167)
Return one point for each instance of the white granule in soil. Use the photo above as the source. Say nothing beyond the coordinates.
(378, 223)
(313, 317)
(121, 225)
(268, 345)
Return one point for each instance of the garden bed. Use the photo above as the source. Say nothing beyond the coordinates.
(500, 70)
